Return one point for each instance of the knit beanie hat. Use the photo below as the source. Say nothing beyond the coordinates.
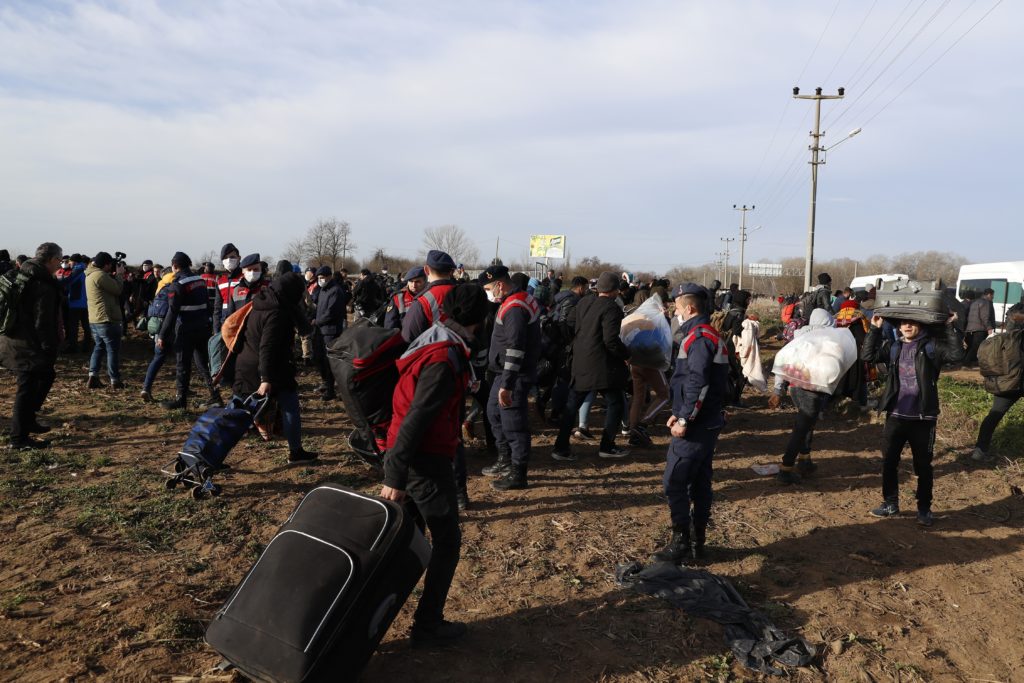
(466, 304)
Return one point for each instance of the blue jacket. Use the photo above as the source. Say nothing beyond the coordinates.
(700, 377)
(188, 307)
(76, 287)
(330, 309)
(515, 341)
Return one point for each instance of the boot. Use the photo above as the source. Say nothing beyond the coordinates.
(215, 398)
(501, 467)
(462, 499)
(699, 538)
(513, 481)
(175, 403)
(677, 550)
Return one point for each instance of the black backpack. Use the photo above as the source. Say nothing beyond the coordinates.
(362, 360)
(1001, 361)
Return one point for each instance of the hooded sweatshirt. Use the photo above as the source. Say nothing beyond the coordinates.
(104, 294)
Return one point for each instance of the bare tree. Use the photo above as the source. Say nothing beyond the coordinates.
(328, 243)
(211, 257)
(454, 241)
(295, 251)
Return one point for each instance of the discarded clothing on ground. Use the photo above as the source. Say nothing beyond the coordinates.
(755, 641)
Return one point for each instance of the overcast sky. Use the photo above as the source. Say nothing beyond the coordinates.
(631, 127)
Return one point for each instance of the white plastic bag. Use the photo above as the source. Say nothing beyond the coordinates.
(647, 335)
(817, 360)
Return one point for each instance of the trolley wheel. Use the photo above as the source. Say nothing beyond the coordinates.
(215, 490)
(197, 492)
(171, 483)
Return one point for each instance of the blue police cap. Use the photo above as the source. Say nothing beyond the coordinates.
(250, 260)
(689, 288)
(493, 273)
(439, 260)
(415, 273)
(323, 270)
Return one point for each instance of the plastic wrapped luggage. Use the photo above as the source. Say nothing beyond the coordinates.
(325, 590)
(817, 359)
(922, 302)
(648, 336)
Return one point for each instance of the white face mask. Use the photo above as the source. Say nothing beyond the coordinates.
(490, 295)
(322, 281)
(253, 275)
(146, 269)
(230, 263)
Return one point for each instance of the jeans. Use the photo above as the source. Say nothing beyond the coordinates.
(688, 472)
(615, 404)
(1000, 406)
(159, 357)
(920, 434)
(291, 419)
(107, 336)
(431, 487)
(585, 407)
(809, 405)
(33, 386)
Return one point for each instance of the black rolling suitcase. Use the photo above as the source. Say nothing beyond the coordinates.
(325, 590)
(922, 302)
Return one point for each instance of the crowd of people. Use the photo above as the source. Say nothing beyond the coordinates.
(481, 349)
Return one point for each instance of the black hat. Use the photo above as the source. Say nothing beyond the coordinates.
(607, 282)
(365, 271)
(439, 260)
(103, 259)
(716, 284)
(250, 260)
(227, 249)
(284, 266)
(492, 273)
(415, 273)
(147, 261)
(324, 270)
(181, 260)
(466, 304)
(688, 288)
(824, 279)
(289, 286)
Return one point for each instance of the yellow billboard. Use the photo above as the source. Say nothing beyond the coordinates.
(547, 246)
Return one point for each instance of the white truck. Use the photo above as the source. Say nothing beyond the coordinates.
(1006, 279)
(859, 284)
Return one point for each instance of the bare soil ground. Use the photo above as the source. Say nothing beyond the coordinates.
(106, 575)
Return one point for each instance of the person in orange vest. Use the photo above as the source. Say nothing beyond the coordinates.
(415, 280)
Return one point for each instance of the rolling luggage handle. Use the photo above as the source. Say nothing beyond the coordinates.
(255, 404)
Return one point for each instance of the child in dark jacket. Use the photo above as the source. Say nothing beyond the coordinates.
(911, 401)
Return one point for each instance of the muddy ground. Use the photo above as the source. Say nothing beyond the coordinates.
(106, 575)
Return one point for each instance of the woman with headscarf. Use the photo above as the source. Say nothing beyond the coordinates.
(809, 405)
(265, 364)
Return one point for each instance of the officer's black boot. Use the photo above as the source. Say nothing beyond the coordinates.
(501, 467)
(180, 401)
(699, 537)
(462, 499)
(513, 481)
(677, 550)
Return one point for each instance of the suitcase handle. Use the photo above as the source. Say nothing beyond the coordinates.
(255, 403)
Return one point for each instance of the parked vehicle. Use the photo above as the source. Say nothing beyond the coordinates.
(1006, 279)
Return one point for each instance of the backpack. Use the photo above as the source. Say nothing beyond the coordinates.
(12, 284)
(789, 331)
(362, 360)
(224, 346)
(1001, 360)
(717, 320)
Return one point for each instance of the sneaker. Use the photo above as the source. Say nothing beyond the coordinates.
(924, 518)
(583, 433)
(29, 444)
(93, 382)
(462, 500)
(613, 452)
(439, 634)
(301, 456)
(624, 430)
(806, 466)
(639, 438)
(886, 510)
(563, 456)
(979, 455)
(787, 477)
(146, 395)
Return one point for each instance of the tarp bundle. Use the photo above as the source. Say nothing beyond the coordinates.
(755, 641)
(648, 335)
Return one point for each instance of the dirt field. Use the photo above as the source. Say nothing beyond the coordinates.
(106, 575)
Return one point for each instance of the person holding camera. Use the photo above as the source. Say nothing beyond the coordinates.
(104, 282)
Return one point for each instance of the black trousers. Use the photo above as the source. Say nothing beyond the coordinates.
(809, 405)
(431, 487)
(78, 318)
(33, 387)
(326, 375)
(974, 340)
(1000, 406)
(191, 346)
(920, 434)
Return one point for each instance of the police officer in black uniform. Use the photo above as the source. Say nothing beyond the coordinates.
(187, 327)
(697, 389)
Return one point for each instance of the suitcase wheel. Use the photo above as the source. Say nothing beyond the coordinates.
(171, 483)
(197, 492)
(215, 490)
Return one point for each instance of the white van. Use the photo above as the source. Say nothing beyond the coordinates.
(1006, 279)
(864, 282)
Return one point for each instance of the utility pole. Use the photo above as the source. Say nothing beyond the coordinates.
(815, 148)
(725, 282)
(743, 233)
(720, 265)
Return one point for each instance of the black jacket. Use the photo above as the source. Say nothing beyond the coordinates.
(330, 310)
(932, 354)
(35, 340)
(266, 353)
(598, 354)
(367, 294)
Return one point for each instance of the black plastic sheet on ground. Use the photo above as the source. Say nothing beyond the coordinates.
(755, 641)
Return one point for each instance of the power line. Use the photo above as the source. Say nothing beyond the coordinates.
(848, 44)
(859, 75)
